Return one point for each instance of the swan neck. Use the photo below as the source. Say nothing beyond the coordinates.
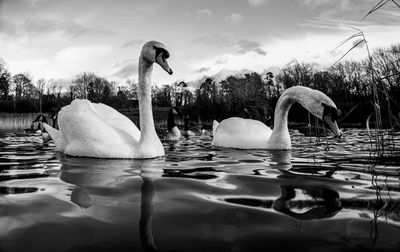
(281, 112)
(148, 131)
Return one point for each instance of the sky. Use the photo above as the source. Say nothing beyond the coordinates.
(57, 39)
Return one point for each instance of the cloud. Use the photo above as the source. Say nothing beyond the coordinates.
(256, 2)
(82, 53)
(223, 74)
(59, 83)
(203, 14)
(219, 40)
(317, 2)
(227, 40)
(124, 62)
(236, 18)
(134, 42)
(37, 26)
(244, 46)
(260, 51)
(7, 27)
(202, 70)
(127, 71)
(35, 3)
(221, 61)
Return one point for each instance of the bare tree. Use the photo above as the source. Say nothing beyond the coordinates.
(40, 86)
(5, 80)
(82, 83)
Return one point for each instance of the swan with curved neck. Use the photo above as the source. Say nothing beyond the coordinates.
(251, 134)
(97, 130)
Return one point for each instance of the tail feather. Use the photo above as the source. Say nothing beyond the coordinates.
(55, 135)
(215, 126)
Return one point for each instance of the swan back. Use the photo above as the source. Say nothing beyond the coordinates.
(241, 133)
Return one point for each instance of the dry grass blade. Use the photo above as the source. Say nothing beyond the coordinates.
(376, 7)
(358, 34)
(294, 60)
(367, 124)
(388, 76)
(354, 46)
(398, 5)
(350, 111)
(389, 97)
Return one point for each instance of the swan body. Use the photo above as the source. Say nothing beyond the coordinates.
(186, 131)
(97, 130)
(241, 133)
(174, 134)
(252, 134)
(38, 123)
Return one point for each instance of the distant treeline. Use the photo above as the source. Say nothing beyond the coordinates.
(251, 95)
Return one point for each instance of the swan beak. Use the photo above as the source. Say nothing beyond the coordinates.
(333, 126)
(162, 61)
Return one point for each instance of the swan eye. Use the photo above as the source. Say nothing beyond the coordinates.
(162, 51)
(333, 112)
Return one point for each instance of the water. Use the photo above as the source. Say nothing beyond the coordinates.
(201, 198)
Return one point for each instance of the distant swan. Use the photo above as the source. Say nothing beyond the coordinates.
(251, 134)
(174, 134)
(38, 124)
(186, 130)
(97, 130)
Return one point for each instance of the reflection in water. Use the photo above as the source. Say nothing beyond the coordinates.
(81, 197)
(88, 174)
(146, 214)
(326, 201)
(199, 197)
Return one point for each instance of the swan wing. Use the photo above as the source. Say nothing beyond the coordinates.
(241, 133)
(96, 130)
(116, 119)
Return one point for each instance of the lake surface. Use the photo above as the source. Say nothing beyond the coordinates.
(326, 196)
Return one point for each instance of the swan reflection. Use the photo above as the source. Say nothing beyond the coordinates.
(324, 201)
(94, 179)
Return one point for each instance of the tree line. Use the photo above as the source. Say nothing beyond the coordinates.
(252, 95)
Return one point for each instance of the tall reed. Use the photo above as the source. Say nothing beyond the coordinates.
(16, 122)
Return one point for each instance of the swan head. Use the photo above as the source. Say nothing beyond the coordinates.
(38, 122)
(321, 106)
(156, 52)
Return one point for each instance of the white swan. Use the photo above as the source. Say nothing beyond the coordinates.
(186, 130)
(97, 130)
(251, 134)
(174, 134)
(38, 127)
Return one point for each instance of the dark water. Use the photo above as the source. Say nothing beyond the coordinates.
(200, 198)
